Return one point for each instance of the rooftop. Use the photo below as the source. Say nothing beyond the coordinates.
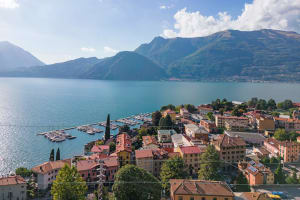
(100, 148)
(12, 180)
(200, 187)
(192, 150)
(51, 165)
(227, 141)
(123, 143)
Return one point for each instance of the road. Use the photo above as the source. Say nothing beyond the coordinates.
(293, 192)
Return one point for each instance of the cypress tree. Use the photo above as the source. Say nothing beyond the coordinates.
(58, 154)
(51, 155)
(107, 128)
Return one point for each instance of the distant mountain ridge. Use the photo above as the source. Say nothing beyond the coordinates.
(264, 55)
(12, 57)
(268, 55)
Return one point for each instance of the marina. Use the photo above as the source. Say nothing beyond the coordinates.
(61, 135)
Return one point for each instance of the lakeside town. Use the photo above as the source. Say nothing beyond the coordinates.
(221, 150)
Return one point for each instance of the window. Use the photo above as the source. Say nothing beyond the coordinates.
(226, 198)
(215, 198)
(192, 198)
(180, 198)
(203, 198)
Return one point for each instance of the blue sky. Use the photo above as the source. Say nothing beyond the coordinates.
(59, 30)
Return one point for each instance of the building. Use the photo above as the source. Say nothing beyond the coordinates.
(231, 149)
(47, 172)
(164, 136)
(171, 113)
(199, 190)
(298, 139)
(236, 121)
(179, 140)
(296, 114)
(104, 149)
(289, 151)
(184, 113)
(264, 123)
(88, 170)
(111, 166)
(191, 156)
(208, 125)
(150, 142)
(256, 173)
(123, 149)
(151, 160)
(193, 131)
(204, 109)
(13, 188)
(287, 124)
(249, 137)
(236, 126)
(261, 152)
(252, 196)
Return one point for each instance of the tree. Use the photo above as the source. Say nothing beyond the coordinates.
(279, 175)
(51, 155)
(132, 182)
(24, 172)
(281, 135)
(156, 116)
(124, 129)
(210, 116)
(271, 104)
(191, 108)
(242, 184)
(285, 105)
(165, 123)
(210, 165)
(237, 112)
(173, 168)
(112, 147)
(68, 185)
(107, 128)
(58, 154)
(252, 102)
(261, 104)
(292, 179)
(170, 106)
(105, 194)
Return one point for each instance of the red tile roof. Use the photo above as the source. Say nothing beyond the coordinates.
(147, 140)
(200, 187)
(111, 162)
(123, 143)
(12, 180)
(51, 165)
(192, 150)
(99, 148)
(83, 165)
(98, 156)
(144, 153)
(227, 141)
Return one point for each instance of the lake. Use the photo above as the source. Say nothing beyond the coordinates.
(32, 105)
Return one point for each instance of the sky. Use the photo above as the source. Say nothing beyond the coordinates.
(60, 30)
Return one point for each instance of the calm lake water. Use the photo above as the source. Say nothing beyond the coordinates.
(32, 105)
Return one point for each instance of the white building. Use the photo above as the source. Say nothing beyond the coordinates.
(12, 188)
(165, 135)
(47, 172)
(180, 140)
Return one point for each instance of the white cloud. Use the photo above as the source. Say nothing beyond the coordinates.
(110, 50)
(9, 4)
(87, 49)
(164, 7)
(260, 14)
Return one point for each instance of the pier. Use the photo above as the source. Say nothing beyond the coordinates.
(61, 135)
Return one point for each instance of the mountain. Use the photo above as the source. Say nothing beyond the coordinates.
(123, 66)
(229, 55)
(126, 66)
(12, 57)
